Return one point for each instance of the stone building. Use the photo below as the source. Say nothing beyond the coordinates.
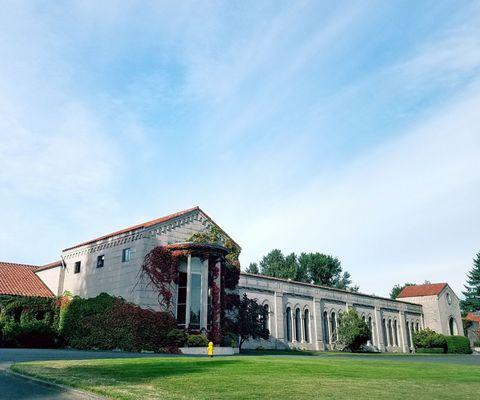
(300, 315)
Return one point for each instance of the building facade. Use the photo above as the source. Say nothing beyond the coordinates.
(301, 315)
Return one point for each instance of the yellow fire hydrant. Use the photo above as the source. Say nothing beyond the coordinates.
(210, 349)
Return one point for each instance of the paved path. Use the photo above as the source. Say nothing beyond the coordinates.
(13, 388)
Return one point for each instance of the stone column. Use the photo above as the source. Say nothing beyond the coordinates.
(379, 328)
(411, 333)
(330, 330)
(292, 322)
(403, 332)
(389, 339)
(279, 318)
(302, 327)
(317, 338)
(189, 290)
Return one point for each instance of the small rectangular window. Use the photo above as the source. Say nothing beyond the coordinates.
(100, 261)
(77, 267)
(126, 254)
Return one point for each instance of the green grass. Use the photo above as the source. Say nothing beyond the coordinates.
(262, 377)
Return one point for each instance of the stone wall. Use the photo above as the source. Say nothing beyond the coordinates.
(439, 309)
(319, 308)
(121, 278)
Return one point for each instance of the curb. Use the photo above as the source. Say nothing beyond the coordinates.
(77, 392)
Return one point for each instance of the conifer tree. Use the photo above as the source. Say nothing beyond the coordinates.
(472, 293)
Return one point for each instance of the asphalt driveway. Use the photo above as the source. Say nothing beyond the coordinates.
(13, 388)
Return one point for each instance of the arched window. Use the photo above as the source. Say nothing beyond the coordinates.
(417, 328)
(408, 335)
(395, 332)
(288, 316)
(334, 327)
(326, 333)
(306, 325)
(266, 320)
(298, 327)
(453, 326)
(370, 327)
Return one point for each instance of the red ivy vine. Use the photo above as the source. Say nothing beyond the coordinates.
(161, 266)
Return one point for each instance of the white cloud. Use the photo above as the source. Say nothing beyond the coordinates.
(404, 212)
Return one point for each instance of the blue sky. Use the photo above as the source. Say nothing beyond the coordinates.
(350, 128)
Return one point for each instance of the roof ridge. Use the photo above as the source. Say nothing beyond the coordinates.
(19, 264)
(136, 227)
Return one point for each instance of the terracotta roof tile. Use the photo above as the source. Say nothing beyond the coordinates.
(136, 227)
(147, 225)
(21, 280)
(475, 317)
(428, 289)
(50, 265)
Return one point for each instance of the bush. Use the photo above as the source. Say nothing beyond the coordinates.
(106, 322)
(197, 341)
(352, 331)
(431, 350)
(428, 339)
(458, 345)
(29, 334)
(177, 337)
(28, 321)
(476, 343)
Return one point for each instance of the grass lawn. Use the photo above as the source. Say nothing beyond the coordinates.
(261, 377)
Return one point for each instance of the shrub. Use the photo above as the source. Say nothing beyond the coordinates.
(352, 331)
(29, 334)
(106, 322)
(458, 345)
(197, 341)
(177, 337)
(28, 321)
(476, 343)
(431, 350)
(428, 339)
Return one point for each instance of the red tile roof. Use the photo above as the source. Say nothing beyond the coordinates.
(146, 225)
(50, 265)
(136, 227)
(21, 280)
(473, 317)
(428, 289)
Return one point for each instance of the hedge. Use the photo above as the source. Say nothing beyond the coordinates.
(458, 345)
(28, 321)
(106, 323)
(427, 339)
(432, 350)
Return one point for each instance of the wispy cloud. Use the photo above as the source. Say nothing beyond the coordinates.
(302, 125)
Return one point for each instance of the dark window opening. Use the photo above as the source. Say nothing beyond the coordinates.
(100, 261)
(77, 267)
(126, 254)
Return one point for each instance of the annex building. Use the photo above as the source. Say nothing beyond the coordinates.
(301, 315)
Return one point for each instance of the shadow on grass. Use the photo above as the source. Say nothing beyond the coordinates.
(129, 371)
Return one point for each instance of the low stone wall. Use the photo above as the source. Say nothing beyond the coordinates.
(217, 351)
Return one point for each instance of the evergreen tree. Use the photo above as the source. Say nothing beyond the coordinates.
(317, 268)
(472, 293)
(398, 288)
(253, 268)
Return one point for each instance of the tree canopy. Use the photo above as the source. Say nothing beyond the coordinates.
(472, 292)
(398, 288)
(353, 332)
(316, 268)
(250, 321)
